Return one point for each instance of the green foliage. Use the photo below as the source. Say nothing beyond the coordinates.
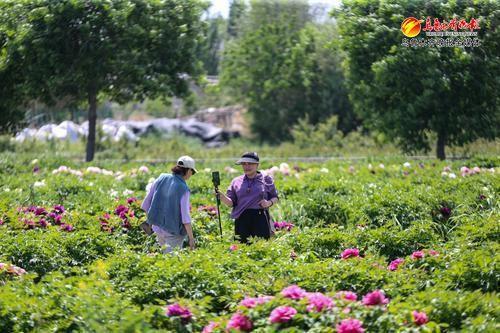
(118, 280)
(307, 135)
(418, 95)
(75, 51)
(281, 69)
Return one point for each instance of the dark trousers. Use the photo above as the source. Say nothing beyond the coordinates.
(252, 223)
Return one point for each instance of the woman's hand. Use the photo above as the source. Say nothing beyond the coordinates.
(228, 202)
(265, 203)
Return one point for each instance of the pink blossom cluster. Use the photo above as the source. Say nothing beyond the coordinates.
(316, 302)
(124, 212)
(393, 265)
(39, 217)
(176, 310)
(350, 253)
(293, 292)
(417, 255)
(283, 225)
(11, 269)
(251, 302)
(209, 209)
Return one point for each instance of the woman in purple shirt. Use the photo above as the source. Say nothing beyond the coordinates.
(250, 196)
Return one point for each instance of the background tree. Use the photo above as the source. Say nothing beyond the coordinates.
(416, 95)
(281, 68)
(79, 50)
(237, 11)
(210, 48)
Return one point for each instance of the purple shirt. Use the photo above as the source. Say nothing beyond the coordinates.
(246, 193)
(186, 217)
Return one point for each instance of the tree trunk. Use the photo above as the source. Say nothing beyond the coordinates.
(441, 143)
(92, 124)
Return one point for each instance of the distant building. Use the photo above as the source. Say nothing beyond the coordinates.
(230, 118)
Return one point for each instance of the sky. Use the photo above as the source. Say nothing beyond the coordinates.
(222, 6)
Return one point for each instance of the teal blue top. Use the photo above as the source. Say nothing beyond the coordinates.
(165, 209)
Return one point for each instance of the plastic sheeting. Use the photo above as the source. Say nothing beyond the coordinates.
(130, 130)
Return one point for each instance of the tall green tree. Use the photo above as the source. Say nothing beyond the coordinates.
(237, 10)
(418, 95)
(282, 69)
(80, 50)
(210, 48)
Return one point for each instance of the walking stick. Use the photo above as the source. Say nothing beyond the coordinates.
(216, 181)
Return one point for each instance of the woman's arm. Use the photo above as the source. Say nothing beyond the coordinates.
(149, 197)
(186, 219)
(225, 199)
(271, 190)
(189, 231)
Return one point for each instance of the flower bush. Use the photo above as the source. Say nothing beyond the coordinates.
(370, 249)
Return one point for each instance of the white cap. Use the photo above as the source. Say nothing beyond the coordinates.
(186, 162)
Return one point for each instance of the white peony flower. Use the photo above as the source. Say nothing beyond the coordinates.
(39, 184)
(128, 192)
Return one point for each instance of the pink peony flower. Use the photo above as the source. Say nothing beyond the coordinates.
(233, 247)
(131, 200)
(239, 322)
(59, 209)
(13, 269)
(395, 264)
(350, 326)
(30, 224)
(176, 310)
(465, 171)
(417, 255)
(347, 295)
(211, 210)
(434, 253)
(319, 302)
(282, 314)
(420, 318)
(350, 253)
(67, 227)
(40, 211)
(121, 209)
(283, 225)
(43, 223)
(376, 297)
(210, 327)
(251, 302)
(445, 211)
(293, 292)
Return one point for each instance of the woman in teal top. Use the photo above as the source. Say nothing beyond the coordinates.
(167, 206)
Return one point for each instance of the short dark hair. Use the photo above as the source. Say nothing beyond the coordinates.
(178, 170)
